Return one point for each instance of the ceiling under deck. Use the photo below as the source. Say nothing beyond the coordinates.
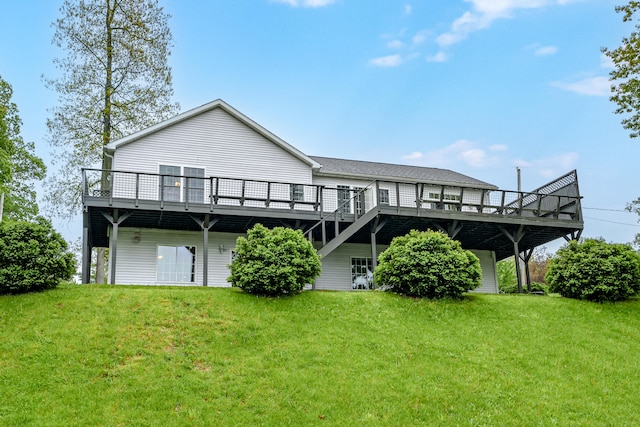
(474, 232)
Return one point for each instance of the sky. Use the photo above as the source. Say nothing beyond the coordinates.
(481, 87)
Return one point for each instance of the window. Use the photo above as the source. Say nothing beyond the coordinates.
(296, 192)
(176, 264)
(361, 273)
(383, 196)
(446, 198)
(343, 198)
(194, 188)
(170, 183)
(360, 200)
(175, 177)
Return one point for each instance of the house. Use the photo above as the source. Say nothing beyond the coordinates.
(180, 192)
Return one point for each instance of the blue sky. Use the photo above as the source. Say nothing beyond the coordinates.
(477, 86)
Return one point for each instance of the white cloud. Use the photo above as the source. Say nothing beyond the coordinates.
(387, 61)
(450, 156)
(546, 50)
(395, 44)
(408, 9)
(438, 57)
(592, 86)
(305, 3)
(420, 37)
(484, 12)
(606, 62)
(413, 156)
(550, 167)
(498, 147)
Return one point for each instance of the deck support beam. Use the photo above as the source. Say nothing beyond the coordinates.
(515, 239)
(375, 227)
(86, 248)
(115, 221)
(205, 226)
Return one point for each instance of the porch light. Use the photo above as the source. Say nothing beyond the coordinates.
(176, 184)
(221, 248)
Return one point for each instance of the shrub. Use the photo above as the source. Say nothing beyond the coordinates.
(274, 262)
(428, 264)
(506, 272)
(595, 270)
(33, 257)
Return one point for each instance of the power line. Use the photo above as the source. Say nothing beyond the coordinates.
(613, 222)
(607, 210)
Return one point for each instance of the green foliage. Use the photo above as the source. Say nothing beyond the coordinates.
(595, 270)
(33, 257)
(114, 80)
(428, 264)
(19, 166)
(635, 208)
(507, 280)
(274, 262)
(625, 76)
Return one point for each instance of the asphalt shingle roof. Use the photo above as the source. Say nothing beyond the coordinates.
(393, 172)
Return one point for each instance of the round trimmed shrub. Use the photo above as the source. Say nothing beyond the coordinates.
(595, 270)
(274, 262)
(33, 257)
(428, 264)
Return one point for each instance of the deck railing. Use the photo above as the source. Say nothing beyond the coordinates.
(559, 199)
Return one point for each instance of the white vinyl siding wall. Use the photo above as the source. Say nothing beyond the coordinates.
(336, 267)
(217, 142)
(489, 278)
(137, 261)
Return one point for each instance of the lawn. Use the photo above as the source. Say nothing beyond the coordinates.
(137, 356)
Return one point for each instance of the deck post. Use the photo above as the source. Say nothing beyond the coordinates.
(515, 238)
(205, 251)
(113, 252)
(86, 249)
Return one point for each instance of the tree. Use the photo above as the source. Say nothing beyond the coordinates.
(626, 73)
(19, 166)
(115, 81)
(274, 262)
(428, 264)
(33, 257)
(635, 207)
(595, 270)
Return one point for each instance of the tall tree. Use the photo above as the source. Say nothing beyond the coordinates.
(19, 166)
(625, 77)
(115, 80)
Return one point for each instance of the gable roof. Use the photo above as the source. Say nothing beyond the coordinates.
(218, 103)
(394, 172)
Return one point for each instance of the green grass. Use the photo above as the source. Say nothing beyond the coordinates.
(129, 356)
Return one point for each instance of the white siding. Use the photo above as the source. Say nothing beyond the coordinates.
(336, 267)
(217, 142)
(488, 265)
(136, 258)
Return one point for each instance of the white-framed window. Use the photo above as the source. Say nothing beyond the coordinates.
(344, 198)
(383, 196)
(174, 178)
(194, 185)
(170, 183)
(296, 192)
(445, 198)
(176, 264)
(361, 273)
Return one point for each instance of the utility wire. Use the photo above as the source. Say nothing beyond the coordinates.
(613, 222)
(608, 210)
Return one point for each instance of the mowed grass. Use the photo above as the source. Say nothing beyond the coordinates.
(136, 356)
